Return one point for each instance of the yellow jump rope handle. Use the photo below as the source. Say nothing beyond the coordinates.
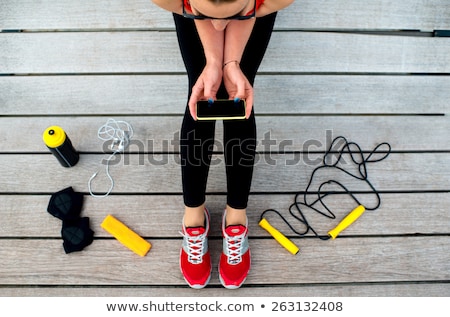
(347, 221)
(126, 236)
(285, 242)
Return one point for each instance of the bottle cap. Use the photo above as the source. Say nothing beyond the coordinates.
(54, 136)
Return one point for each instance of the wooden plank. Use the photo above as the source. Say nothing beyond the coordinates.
(150, 52)
(160, 215)
(379, 290)
(107, 262)
(307, 14)
(66, 15)
(160, 134)
(354, 14)
(120, 94)
(324, 94)
(400, 249)
(140, 173)
(148, 94)
(91, 52)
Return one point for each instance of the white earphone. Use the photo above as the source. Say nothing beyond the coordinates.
(120, 132)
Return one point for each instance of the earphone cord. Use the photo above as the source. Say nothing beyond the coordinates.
(112, 130)
(296, 207)
(107, 174)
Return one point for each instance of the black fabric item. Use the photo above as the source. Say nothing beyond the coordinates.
(76, 234)
(66, 204)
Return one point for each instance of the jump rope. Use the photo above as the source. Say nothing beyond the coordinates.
(296, 209)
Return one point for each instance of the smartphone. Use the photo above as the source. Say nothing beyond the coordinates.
(221, 110)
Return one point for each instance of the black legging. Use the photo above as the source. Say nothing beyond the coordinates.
(197, 137)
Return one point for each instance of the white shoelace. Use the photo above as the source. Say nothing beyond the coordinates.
(194, 247)
(234, 249)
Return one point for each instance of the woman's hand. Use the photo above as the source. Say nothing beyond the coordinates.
(206, 86)
(237, 85)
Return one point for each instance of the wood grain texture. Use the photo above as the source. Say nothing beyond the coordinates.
(421, 289)
(384, 259)
(275, 134)
(307, 14)
(277, 173)
(369, 71)
(167, 94)
(155, 52)
(159, 216)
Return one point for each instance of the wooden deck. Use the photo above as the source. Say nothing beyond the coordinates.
(372, 71)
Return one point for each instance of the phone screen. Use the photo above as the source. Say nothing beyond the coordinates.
(220, 110)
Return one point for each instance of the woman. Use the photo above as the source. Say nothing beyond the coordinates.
(222, 43)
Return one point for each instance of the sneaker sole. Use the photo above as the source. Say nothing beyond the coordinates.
(198, 286)
(230, 286)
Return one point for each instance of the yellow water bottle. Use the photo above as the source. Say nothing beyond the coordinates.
(60, 145)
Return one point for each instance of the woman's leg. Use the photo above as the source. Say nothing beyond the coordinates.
(240, 135)
(196, 137)
(196, 143)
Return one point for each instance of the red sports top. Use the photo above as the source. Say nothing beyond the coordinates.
(187, 5)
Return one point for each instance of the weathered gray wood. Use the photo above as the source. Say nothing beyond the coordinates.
(142, 52)
(343, 290)
(107, 262)
(354, 14)
(141, 173)
(160, 216)
(109, 59)
(142, 14)
(167, 94)
(160, 134)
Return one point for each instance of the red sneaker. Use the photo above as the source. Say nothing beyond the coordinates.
(234, 263)
(195, 260)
